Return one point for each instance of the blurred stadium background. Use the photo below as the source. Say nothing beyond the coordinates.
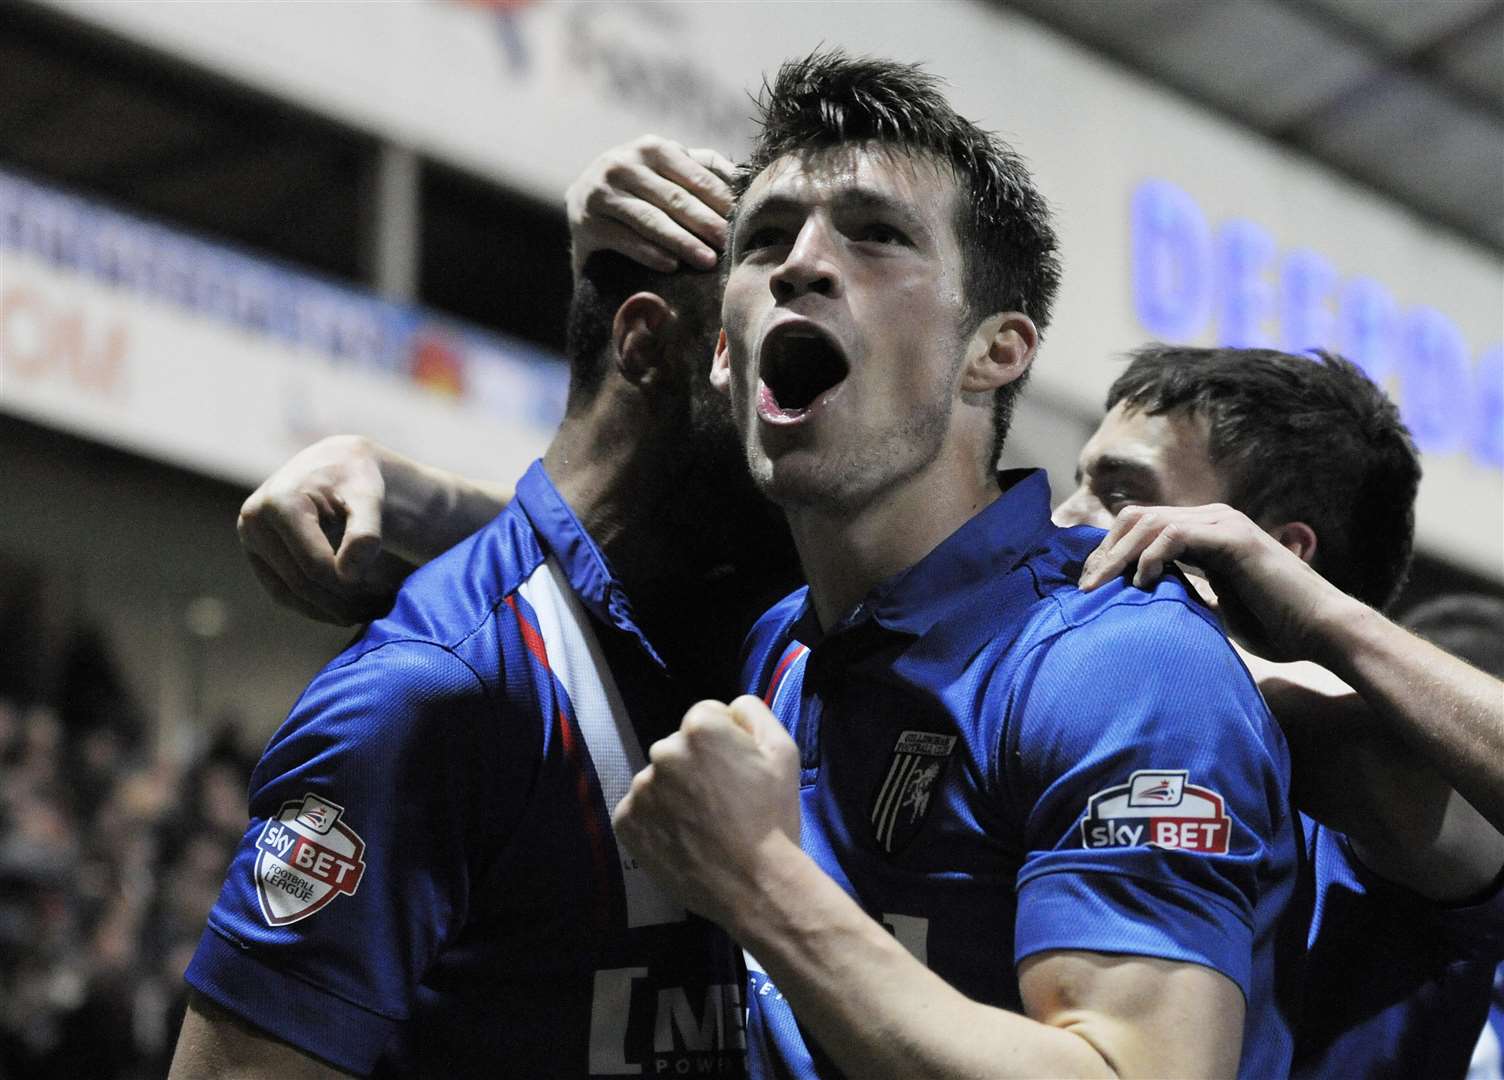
(228, 229)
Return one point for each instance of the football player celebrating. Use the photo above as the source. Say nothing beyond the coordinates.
(633, 192)
(1088, 874)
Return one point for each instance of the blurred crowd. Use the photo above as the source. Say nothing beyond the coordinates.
(111, 855)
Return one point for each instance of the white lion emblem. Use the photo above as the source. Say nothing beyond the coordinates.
(916, 791)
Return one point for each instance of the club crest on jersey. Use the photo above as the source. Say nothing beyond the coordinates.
(305, 857)
(1158, 808)
(903, 800)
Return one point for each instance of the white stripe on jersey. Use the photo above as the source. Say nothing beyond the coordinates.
(1488, 1058)
(577, 662)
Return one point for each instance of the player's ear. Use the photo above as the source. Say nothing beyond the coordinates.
(720, 366)
(641, 336)
(1298, 537)
(1000, 352)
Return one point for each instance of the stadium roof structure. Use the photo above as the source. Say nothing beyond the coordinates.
(1406, 98)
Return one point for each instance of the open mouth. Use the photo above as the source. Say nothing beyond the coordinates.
(798, 365)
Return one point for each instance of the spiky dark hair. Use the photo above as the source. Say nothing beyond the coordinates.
(1297, 438)
(830, 99)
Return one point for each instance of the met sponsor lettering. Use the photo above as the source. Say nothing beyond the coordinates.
(638, 1027)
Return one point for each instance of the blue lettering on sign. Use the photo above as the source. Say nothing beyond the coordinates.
(1365, 319)
(1171, 252)
(1244, 252)
(1433, 378)
(1487, 437)
(1305, 320)
(1186, 280)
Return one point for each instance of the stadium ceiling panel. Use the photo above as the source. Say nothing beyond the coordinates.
(1406, 98)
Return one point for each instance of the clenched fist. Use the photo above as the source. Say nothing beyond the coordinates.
(716, 806)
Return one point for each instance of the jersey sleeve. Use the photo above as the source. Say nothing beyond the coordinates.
(1153, 787)
(370, 816)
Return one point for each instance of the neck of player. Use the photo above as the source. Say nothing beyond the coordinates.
(846, 552)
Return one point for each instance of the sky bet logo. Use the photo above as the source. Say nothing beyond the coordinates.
(1157, 808)
(305, 857)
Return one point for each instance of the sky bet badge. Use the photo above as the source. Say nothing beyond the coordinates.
(1157, 807)
(902, 802)
(305, 857)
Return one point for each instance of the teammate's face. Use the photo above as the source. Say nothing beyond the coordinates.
(843, 317)
(1135, 459)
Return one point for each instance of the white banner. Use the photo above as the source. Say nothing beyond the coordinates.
(120, 330)
(1267, 247)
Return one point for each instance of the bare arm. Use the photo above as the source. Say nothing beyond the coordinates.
(215, 1043)
(715, 815)
(1396, 742)
(879, 1012)
(1443, 709)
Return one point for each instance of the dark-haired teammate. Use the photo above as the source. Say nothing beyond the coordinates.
(429, 885)
(981, 755)
(1312, 445)
(1305, 464)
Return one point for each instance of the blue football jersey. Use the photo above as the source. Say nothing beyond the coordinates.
(995, 764)
(429, 884)
(1396, 985)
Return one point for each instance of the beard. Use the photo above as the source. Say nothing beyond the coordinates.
(726, 525)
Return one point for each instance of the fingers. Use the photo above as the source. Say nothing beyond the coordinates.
(711, 722)
(683, 169)
(756, 719)
(300, 525)
(664, 214)
(361, 543)
(1164, 547)
(1132, 531)
(710, 725)
(259, 537)
(719, 164)
(279, 592)
(286, 579)
(606, 235)
(1148, 537)
(655, 202)
(626, 817)
(1203, 589)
